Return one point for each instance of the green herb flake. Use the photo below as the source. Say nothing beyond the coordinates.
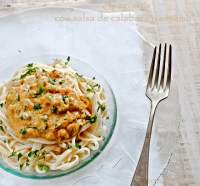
(92, 119)
(101, 107)
(67, 61)
(92, 88)
(37, 106)
(1, 105)
(27, 163)
(18, 98)
(79, 75)
(12, 154)
(64, 97)
(78, 146)
(1, 128)
(19, 155)
(43, 70)
(43, 168)
(30, 65)
(30, 70)
(1, 122)
(69, 147)
(30, 154)
(39, 92)
(61, 81)
(23, 131)
(33, 153)
(21, 166)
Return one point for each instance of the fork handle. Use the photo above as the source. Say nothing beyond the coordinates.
(140, 177)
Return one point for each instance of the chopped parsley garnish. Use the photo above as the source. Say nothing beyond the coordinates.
(68, 60)
(79, 75)
(107, 117)
(54, 109)
(101, 107)
(30, 70)
(1, 128)
(64, 97)
(19, 155)
(61, 81)
(23, 131)
(43, 70)
(13, 154)
(18, 98)
(1, 105)
(78, 146)
(21, 166)
(30, 65)
(33, 153)
(93, 78)
(92, 119)
(43, 168)
(69, 147)
(40, 91)
(91, 88)
(37, 106)
(27, 162)
(1, 121)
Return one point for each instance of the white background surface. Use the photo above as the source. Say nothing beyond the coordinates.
(115, 50)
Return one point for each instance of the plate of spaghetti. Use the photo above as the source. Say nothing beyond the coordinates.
(56, 116)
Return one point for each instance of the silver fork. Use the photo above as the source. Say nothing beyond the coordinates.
(158, 87)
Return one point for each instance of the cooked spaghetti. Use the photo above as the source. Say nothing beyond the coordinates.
(51, 117)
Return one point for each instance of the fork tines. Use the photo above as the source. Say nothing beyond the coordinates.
(160, 71)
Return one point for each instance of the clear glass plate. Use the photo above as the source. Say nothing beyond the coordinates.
(84, 69)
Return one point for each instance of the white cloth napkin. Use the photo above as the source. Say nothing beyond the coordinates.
(115, 50)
